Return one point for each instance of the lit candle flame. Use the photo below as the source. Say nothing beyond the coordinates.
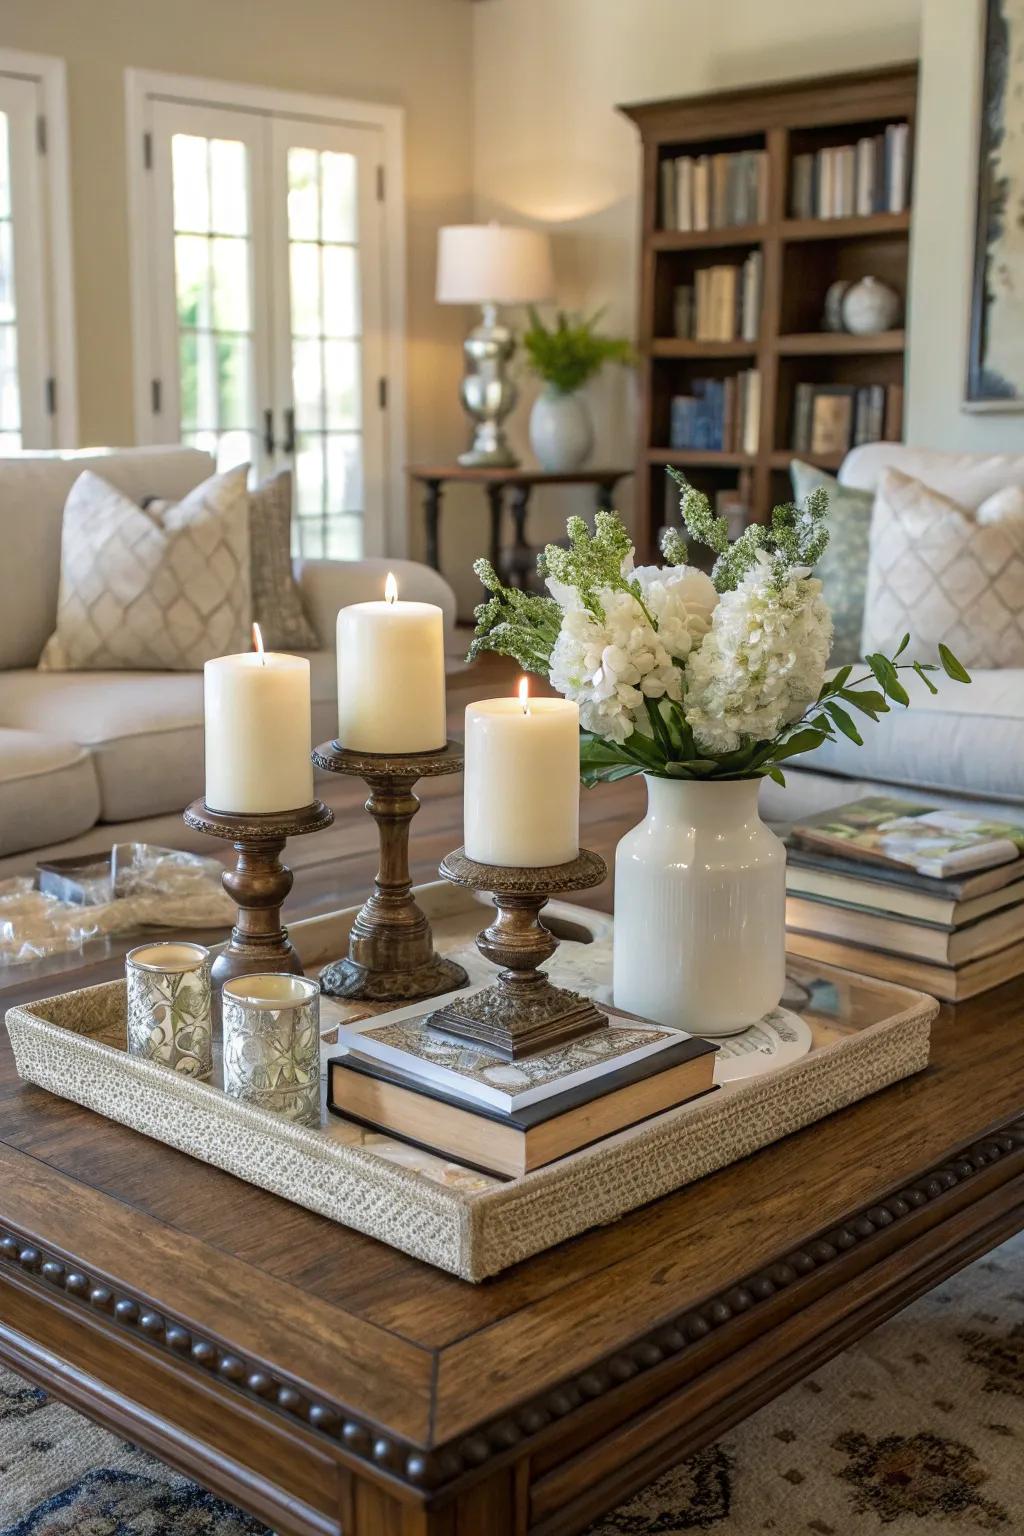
(391, 588)
(257, 645)
(524, 694)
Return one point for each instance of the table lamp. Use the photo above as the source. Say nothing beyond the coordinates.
(490, 265)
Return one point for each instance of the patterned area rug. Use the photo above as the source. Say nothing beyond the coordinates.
(918, 1430)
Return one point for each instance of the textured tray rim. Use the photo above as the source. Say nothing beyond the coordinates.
(474, 1233)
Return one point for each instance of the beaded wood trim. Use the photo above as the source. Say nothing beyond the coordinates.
(432, 1468)
(579, 874)
(251, 827)
(408, 766)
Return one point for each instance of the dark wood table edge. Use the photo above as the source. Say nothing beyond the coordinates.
(675, 1387)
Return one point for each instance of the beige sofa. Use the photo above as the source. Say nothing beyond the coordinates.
(87, 758)
(964, 747)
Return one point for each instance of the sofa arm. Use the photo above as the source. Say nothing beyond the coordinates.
(328, 585)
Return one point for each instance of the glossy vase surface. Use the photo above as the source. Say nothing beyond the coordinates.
(700, 909)
(561, 431)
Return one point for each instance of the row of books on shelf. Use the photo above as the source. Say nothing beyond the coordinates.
(833, 418)
(909, 893)
(720, 415)
(871, 176)
(723, 303)
(714, 191)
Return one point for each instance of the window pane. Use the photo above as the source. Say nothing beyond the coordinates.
(10, 401)
(344, 472)
(191, 185)
(309, 475)
(229, 187)
(303, 195)
(307, 384)
(230, 262)
(235, 448)
(344, 538)
(341, 291)
(192, 274)
(188, 374)
(305, 284)
(338, 174)
(234, 382)
(341, 383)
(6, 270)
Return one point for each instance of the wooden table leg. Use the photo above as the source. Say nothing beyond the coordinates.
(521, 556)
(431, 521)
(495, 498)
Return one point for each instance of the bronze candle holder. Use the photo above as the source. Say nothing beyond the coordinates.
(391, 956)
(523, 1012)
(258, 884)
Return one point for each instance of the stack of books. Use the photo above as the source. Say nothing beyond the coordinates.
(401, 1077)
(720, 415)
(722, 304)
(930, 898)
(871, 176)
(833, 418)
(714, 191)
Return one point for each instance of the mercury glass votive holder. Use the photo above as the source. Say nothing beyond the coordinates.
(271, 1028)
(169, 1006)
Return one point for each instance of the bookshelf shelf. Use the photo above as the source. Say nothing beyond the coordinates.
(846, 229)
(670, 346)
(683, 458)
(800, 258)
(838, 343)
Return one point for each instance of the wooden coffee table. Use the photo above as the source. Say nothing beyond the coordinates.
(330, 1384)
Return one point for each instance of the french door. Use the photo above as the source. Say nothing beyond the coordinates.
(266, 319)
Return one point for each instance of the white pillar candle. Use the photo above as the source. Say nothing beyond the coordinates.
(522, 781)
(258, 732)
(391, 676)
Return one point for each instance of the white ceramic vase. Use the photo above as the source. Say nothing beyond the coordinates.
(700, 909)
(561, 431)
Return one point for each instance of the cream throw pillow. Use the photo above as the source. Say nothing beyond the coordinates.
(161, 588)
(942, 572)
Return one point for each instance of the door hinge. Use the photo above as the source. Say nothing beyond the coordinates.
(382, 394)
(156, 396)
(147, 150)
(41, 134)
(51, 397)
(380, 183)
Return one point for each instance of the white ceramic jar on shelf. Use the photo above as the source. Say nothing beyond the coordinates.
(700, 909)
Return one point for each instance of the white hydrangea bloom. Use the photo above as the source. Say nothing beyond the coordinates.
(682, 600)
(610, 665)
(763, 661)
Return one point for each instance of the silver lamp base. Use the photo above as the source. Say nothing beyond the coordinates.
(487, 393)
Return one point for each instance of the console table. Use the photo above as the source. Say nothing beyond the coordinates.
(516, 563)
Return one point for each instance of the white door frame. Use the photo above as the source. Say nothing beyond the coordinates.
(143, 85)
(49, 76)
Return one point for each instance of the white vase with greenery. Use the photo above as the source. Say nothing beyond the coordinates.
(565, 356)
(705, 685)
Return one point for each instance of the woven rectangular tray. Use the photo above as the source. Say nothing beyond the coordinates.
(867, 1034)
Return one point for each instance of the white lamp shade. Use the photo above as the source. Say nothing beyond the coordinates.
(493, 264)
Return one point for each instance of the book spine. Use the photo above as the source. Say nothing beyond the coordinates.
(684, 193)
(668, 194)
(752, 425)
(893, 426)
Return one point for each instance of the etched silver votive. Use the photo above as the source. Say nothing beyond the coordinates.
(272, 1044)
(169, 1018)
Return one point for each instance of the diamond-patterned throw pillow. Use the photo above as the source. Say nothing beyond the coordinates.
(276, 600)
(161, 588)
(843, 568)
(941, 572)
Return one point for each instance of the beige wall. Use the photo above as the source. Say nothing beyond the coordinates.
(943, 250)
(414, 53)
(549, 146)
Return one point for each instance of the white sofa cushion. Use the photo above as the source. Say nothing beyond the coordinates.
(163, 587)
(143, 729)
(967, 740)
(939, 571)
(33, 490)
(968, 478)
(48, 790)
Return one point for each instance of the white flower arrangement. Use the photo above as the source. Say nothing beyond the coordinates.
(686, 675)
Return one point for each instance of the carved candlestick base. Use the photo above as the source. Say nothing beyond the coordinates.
(258, 884)
(523, 1012)
(391, 956)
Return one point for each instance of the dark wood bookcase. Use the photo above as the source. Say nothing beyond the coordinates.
(801, 258)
